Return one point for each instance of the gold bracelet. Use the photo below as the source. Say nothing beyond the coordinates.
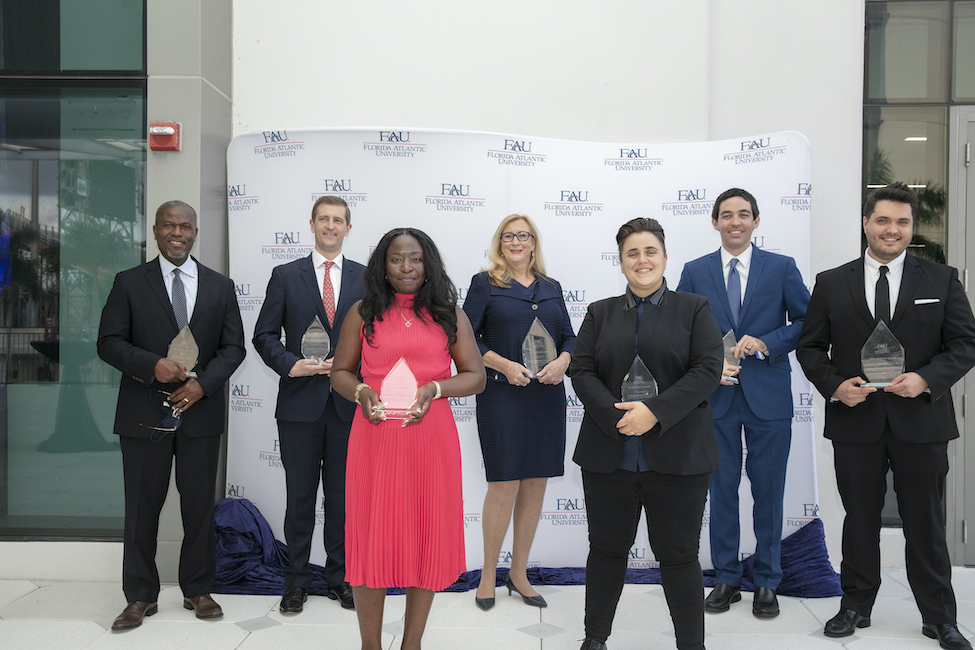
(437, 384)
(357, 389)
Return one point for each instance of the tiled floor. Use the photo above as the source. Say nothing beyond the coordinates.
(72, 615)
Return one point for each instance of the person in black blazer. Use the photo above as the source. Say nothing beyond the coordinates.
(905, 426)
(162, 412)
(313, 421)
(658, 453)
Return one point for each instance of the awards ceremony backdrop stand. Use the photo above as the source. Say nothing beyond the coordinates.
(457, 186)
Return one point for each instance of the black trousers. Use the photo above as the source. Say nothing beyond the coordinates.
(313, 453)
(146, 468)
(674, 506)
(919, 480)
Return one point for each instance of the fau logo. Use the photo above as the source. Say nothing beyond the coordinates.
(570, 504)
(570, 196)
(633, 153)
(336, 185)
(235, 191)
(759, 241)
(805, 189)
(287, 237)
(810, 509)
(235, 491)
(637, 554)
(459, 402)
(447, 189)
(573, 401)
(691, 195)
(805, 399)
(240, 390)
(275, 136)
(762, 143)
(276, 447)
(574, 295)
(394, 136)
(242, 289)
(521, 146)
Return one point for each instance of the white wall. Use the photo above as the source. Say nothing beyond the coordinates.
(616, 70)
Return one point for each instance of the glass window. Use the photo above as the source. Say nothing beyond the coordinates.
(963, 59)
(71, 36)
(908, 143)
(906, 54)
(72, 164)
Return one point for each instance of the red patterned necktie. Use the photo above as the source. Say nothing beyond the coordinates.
(328, 293)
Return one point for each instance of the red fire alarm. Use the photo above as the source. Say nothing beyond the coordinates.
(164, 136)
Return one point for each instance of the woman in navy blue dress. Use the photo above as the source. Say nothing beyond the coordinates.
(520, 418)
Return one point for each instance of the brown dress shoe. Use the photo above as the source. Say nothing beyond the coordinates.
(204, 606)
(133, 614)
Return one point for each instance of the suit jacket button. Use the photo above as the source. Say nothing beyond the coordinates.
(534, 306)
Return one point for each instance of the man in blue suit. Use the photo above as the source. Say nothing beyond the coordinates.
(761, 296)
(313, 421)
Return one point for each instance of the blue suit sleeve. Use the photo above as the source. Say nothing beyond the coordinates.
(475, 306)
(783, 340)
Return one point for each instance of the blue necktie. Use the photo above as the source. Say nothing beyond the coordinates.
(734, 290)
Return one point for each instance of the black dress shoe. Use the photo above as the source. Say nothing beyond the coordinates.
(845, 623)
(721, 597)
(947, 635)
(293, 600)
(343, 594)
(765, 604)
(593, 644)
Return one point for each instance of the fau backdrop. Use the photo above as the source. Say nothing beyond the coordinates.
(457, 186)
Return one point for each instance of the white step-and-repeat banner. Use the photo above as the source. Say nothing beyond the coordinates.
(457, 186)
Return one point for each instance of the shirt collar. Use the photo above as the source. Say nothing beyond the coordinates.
(744, 258)
(317, 259)
(654, 298)
(186, 268)
(894, 266)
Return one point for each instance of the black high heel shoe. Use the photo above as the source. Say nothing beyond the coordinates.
(484, 603)
(534, 601)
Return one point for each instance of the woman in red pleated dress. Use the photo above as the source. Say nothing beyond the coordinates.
(404, 522)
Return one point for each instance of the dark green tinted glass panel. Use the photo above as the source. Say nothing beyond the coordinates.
(72, 168)
(963, 58)
(906, 52)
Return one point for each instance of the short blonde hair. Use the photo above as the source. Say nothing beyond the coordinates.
(498, 271)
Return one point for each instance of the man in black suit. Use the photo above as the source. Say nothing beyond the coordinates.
(313, 421)
(906, 425)
(163, 412)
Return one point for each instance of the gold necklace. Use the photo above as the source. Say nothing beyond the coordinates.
(408, 322)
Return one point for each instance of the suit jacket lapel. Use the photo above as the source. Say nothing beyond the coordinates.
(717, 276)
(754, 278)
(346, 289)
(855, 283)
(203, 286)
(155, 280)
(909, 277)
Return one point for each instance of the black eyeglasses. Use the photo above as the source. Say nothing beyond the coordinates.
(508, 237)
(172, 420)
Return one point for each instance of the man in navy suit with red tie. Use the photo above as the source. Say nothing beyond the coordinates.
(313, 421)
(904, 426)
(762, 298)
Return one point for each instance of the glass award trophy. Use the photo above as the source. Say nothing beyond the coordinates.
(881, 357)
(538, 348)
(730, 362)
(315, 343)
(638, 384)
(184, 350)
(398, 391)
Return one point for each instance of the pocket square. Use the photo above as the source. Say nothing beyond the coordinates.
(926, 301)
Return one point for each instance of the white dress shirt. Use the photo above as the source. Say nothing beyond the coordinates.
(335, 273)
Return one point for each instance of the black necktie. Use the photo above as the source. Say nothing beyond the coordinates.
(882, 299)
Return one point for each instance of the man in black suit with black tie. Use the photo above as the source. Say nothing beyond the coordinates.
(313, 421)
(163, 412)
(906, 425)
